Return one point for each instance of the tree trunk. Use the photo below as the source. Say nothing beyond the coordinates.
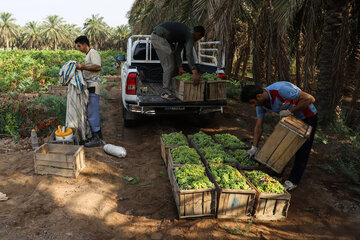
(331, 32)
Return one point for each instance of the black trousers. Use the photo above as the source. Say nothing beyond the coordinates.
(302, 155)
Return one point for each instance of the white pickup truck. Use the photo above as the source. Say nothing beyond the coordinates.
(141, 76)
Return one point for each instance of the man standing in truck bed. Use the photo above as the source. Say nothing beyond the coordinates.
(169, 39)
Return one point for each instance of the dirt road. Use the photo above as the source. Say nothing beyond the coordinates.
(99, 204)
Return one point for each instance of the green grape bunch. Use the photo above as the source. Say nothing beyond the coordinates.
(186, 77)
(228, 177)
(239, 156)
(202, 140)
(184, 154)
(174, 139)
(192, 176)
(210, 77)
(216, 154)
(264, 183)
(229, 140)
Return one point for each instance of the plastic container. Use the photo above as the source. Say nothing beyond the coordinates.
(63, 134)
(34, 139)
(116, 151)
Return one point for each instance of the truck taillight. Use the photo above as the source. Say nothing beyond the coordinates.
(222, 76)
(131, 84)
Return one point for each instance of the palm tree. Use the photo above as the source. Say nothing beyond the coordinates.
(70, 31)
(332, 58)
(120, 36)
(32, 36)
(96, 30)
(8, 28)
(53, 30)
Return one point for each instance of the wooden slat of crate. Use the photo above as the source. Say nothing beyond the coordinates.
(187, 92)
(193, 203)
(60, 160)
(283, 143)
(216, 90)
(271, 206)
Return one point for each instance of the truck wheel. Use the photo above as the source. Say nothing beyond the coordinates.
(129, 118)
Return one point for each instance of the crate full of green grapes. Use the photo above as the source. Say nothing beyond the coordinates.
(186, 91)
(169, 141)
(272, 200)
(236, 195)
(195, 195)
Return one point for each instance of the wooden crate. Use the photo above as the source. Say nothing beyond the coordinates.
(271, 206)
(60, 160)
(234, 203)
(215, 90)
(289, 135)
(75, 141)
(187, 92)
(165, 151)
(193, 203)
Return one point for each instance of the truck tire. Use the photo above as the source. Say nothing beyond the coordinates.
(129, 118)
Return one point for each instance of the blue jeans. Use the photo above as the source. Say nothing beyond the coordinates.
(93, 113)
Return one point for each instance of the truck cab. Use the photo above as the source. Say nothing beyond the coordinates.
(141, 76)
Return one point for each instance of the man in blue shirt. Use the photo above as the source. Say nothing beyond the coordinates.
(286, 99)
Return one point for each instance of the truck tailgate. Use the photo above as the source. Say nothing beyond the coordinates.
(156, 100)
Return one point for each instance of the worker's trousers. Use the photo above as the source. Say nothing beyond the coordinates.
(302, 155)
(167, 59)
(93, 113)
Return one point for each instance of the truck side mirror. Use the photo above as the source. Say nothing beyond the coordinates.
(121, 58)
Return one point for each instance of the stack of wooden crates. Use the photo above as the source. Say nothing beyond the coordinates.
(204, 91)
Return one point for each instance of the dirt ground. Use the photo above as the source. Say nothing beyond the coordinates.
(99, 204)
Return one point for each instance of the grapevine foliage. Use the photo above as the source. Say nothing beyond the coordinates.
(192, 176)
(229, 140)
(174, 139)
(264, 183)
(184, 154)
(228, 177)
(239, 155)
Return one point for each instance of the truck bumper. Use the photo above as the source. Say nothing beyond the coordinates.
(172, 110)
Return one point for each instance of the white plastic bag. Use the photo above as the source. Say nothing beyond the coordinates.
(116, 151)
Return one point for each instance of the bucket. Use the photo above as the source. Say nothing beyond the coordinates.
(63, 134)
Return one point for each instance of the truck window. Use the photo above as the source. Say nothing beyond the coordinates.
(140, 52)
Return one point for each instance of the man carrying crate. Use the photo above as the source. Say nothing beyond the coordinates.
(286, 99)
(169, 39)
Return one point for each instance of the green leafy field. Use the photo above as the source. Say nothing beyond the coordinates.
(32, 70)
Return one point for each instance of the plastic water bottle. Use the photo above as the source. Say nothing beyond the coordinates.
(116, 151)
(34, 139)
